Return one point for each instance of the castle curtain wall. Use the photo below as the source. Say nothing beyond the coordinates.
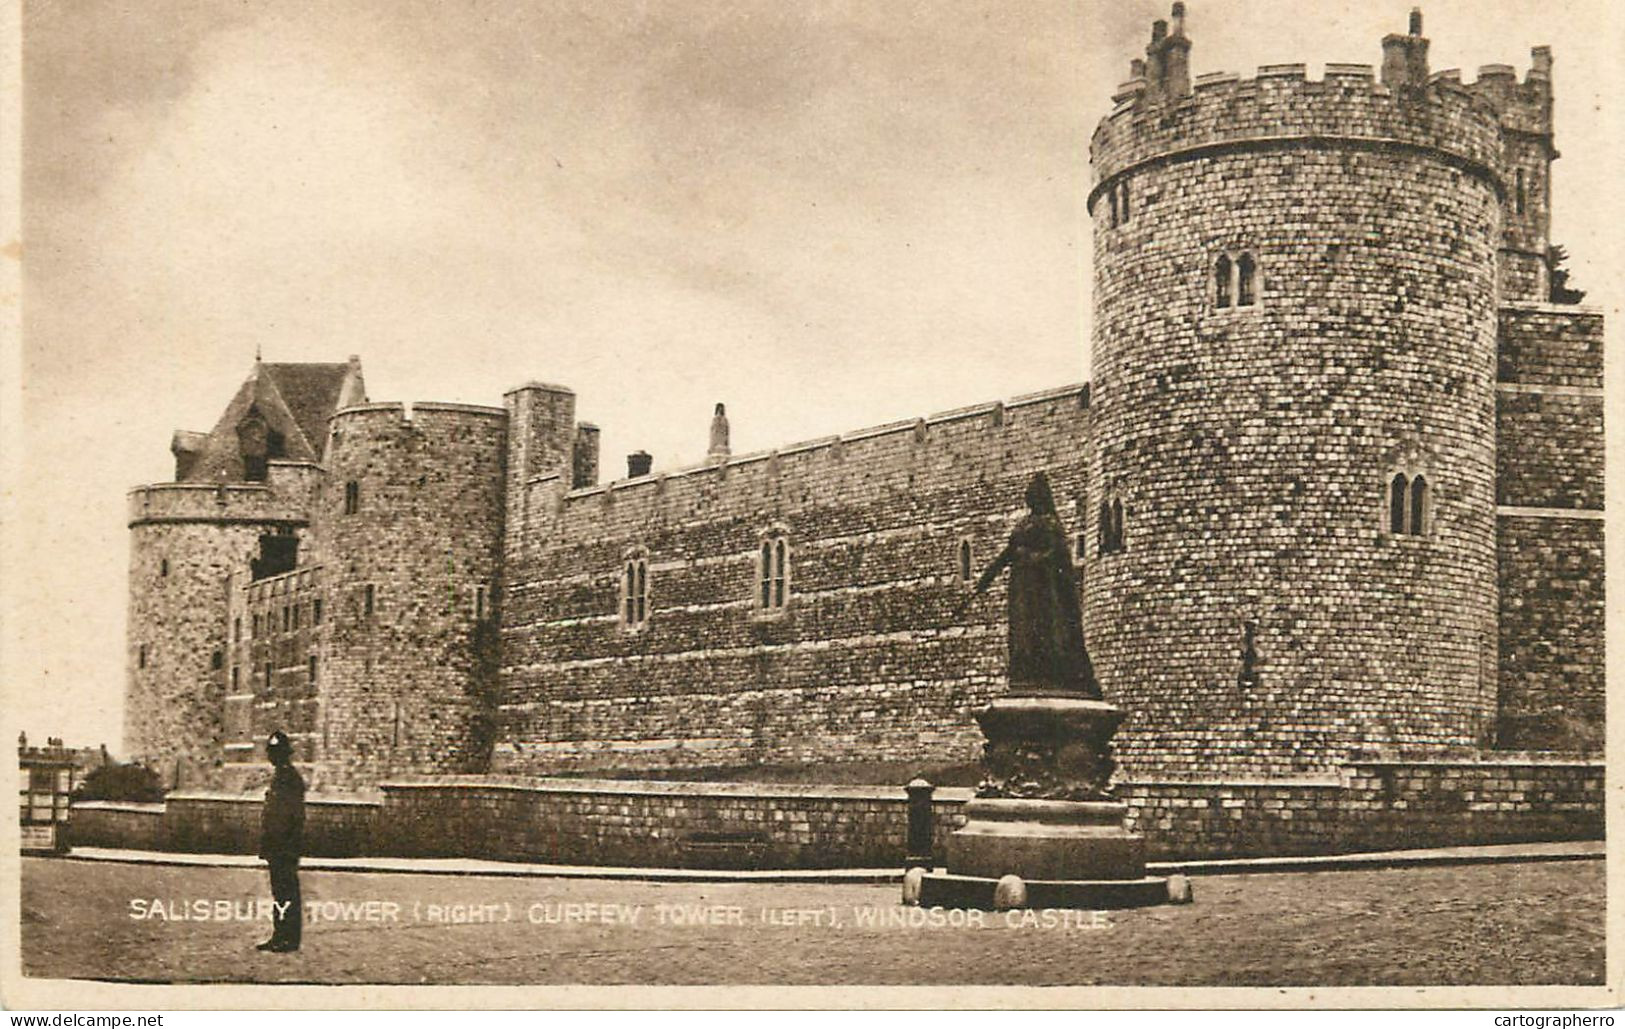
(881, 651)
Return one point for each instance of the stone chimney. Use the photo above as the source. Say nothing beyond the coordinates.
(719, 434)
(1168, 59)
(584, 457)
(1405, 58)
(638, 464)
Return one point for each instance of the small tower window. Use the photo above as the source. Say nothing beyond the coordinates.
(163, 566)
(316, 611)
(312, 669)
(1123, 200)
(1245, 290)
(287, 617)
(297, 611)
(635, 593)
(258, 626)
(963, 558)
(773, 573)
(352, 497)
(1398, 490)
(369, 598)
(479, 603)
(1111, 200)
(267, 675)
(1221, 281)
(141, 656)
(1419, 491)
(237, 629)
(1522, 192)
(1111, 526)
(234, 677)
(217, 661)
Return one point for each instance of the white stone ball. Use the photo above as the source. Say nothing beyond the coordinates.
(913, 882)
(1179, 890)
(1011, 892)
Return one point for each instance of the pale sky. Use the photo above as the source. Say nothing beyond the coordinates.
(827, 215)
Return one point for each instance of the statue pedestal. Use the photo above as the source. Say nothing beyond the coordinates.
(1044, 815)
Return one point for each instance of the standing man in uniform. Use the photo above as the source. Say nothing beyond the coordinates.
(282, 830)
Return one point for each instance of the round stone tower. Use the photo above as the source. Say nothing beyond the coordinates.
(408, 535)
(1292, 507)
(188, 541)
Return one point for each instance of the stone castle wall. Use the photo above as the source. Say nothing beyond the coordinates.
(882, 650)
(1549, 412)
(410, 560)
(187, 543)
(1252, 445)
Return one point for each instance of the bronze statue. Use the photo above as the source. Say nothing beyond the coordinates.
(1047, 651)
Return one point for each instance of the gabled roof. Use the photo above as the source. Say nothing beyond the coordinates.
(311, 393)
(294, 401)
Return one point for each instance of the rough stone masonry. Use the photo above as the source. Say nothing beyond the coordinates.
(1335, 490)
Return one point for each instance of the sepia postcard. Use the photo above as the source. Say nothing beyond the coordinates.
(835, 504)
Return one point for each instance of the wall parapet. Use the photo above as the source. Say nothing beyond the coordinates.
(1281, 105)
(171, 502)
(994, 411)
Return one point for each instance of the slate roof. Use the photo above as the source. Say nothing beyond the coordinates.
(294, 400)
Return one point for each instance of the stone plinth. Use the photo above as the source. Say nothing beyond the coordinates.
(1046, 839)
(1044, 814)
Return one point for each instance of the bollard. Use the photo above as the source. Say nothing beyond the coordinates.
(919, 825)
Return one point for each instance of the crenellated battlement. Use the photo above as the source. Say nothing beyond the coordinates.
(423, 419)
(285, 497)
(848, 445)
(1282, 107)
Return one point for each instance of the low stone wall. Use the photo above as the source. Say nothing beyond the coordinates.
(1373, 805)
(105, 823)
(221, 823)
(666, 824)
(1367, 805)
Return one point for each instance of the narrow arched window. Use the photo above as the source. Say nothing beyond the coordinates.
(781, 560)
(1105, 529)
(163, 567)
(1111, 199)
(1221, 282)
(1117, 525)
(773, 573)
(1397, 490)
(1419, 491)
(964, 556)
(1245, 286)
(1124, 199)
(1522, 192)
(635, 592)
(352, 497)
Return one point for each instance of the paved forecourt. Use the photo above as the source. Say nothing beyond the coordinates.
(1516, 923)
